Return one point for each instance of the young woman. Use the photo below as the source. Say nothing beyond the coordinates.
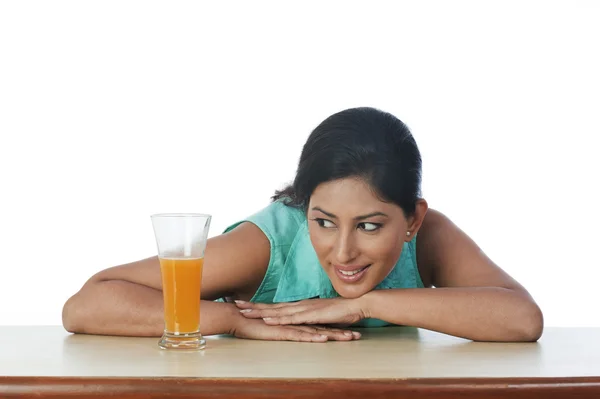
(350, 243)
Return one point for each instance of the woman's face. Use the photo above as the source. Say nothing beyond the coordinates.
(357, 237)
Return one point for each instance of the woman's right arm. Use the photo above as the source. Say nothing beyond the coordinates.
(127, 299)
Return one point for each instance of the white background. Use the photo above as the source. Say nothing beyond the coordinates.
(113, 110)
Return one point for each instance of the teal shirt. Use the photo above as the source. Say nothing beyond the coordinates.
(294, 272)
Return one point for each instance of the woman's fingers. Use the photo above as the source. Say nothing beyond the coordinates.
(300, 335)
(293, 317)
(257, 329)
(331, 333)
(258, 313)
(296, 321)
(252, 305)
(353, 334)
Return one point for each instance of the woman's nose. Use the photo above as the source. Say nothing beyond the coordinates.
(345, 249)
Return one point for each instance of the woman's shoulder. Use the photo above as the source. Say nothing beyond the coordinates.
(278, 221)
(428, 234)
(282, 225)
(441, 243)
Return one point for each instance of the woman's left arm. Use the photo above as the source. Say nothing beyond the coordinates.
(473, 298)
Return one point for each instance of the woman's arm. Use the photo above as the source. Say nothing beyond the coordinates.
(127, 299)
(119, 307)
(474, 298)
(476, 313)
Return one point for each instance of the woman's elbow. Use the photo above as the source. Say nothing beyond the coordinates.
(531, 323)
(71, 319)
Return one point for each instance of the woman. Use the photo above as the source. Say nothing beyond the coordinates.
(337, 248)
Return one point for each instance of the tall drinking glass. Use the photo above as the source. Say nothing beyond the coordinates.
(181, 241)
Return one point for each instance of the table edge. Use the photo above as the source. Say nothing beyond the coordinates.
(251, 388)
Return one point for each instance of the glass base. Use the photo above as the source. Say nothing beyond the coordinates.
(189, 341)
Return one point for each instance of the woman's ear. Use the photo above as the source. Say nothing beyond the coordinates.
(416, 220)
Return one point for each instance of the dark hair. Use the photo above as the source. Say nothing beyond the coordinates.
(359, 142)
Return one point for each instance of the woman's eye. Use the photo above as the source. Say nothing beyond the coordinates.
(369, 226)
(325, 223)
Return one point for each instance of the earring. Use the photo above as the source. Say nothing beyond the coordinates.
(407, 233)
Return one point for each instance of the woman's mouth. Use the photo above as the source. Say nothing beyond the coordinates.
(350, 274)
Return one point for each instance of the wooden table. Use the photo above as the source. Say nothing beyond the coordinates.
(48, 362)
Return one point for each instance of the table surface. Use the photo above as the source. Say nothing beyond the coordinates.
(568, 355)
(393, 352)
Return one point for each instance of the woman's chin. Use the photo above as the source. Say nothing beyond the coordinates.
(351, 291)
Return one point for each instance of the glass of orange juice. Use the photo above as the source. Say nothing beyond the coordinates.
(181, 241)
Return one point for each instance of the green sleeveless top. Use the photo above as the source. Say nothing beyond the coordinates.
(294, 272)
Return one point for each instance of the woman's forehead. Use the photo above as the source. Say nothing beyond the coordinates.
(350, 196)
(335, 188)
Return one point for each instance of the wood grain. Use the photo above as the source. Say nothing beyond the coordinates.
(138, 388)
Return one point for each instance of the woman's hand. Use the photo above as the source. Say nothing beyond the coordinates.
(257, 329)
(337, 311)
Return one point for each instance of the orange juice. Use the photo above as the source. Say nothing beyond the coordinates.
(182, 279)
